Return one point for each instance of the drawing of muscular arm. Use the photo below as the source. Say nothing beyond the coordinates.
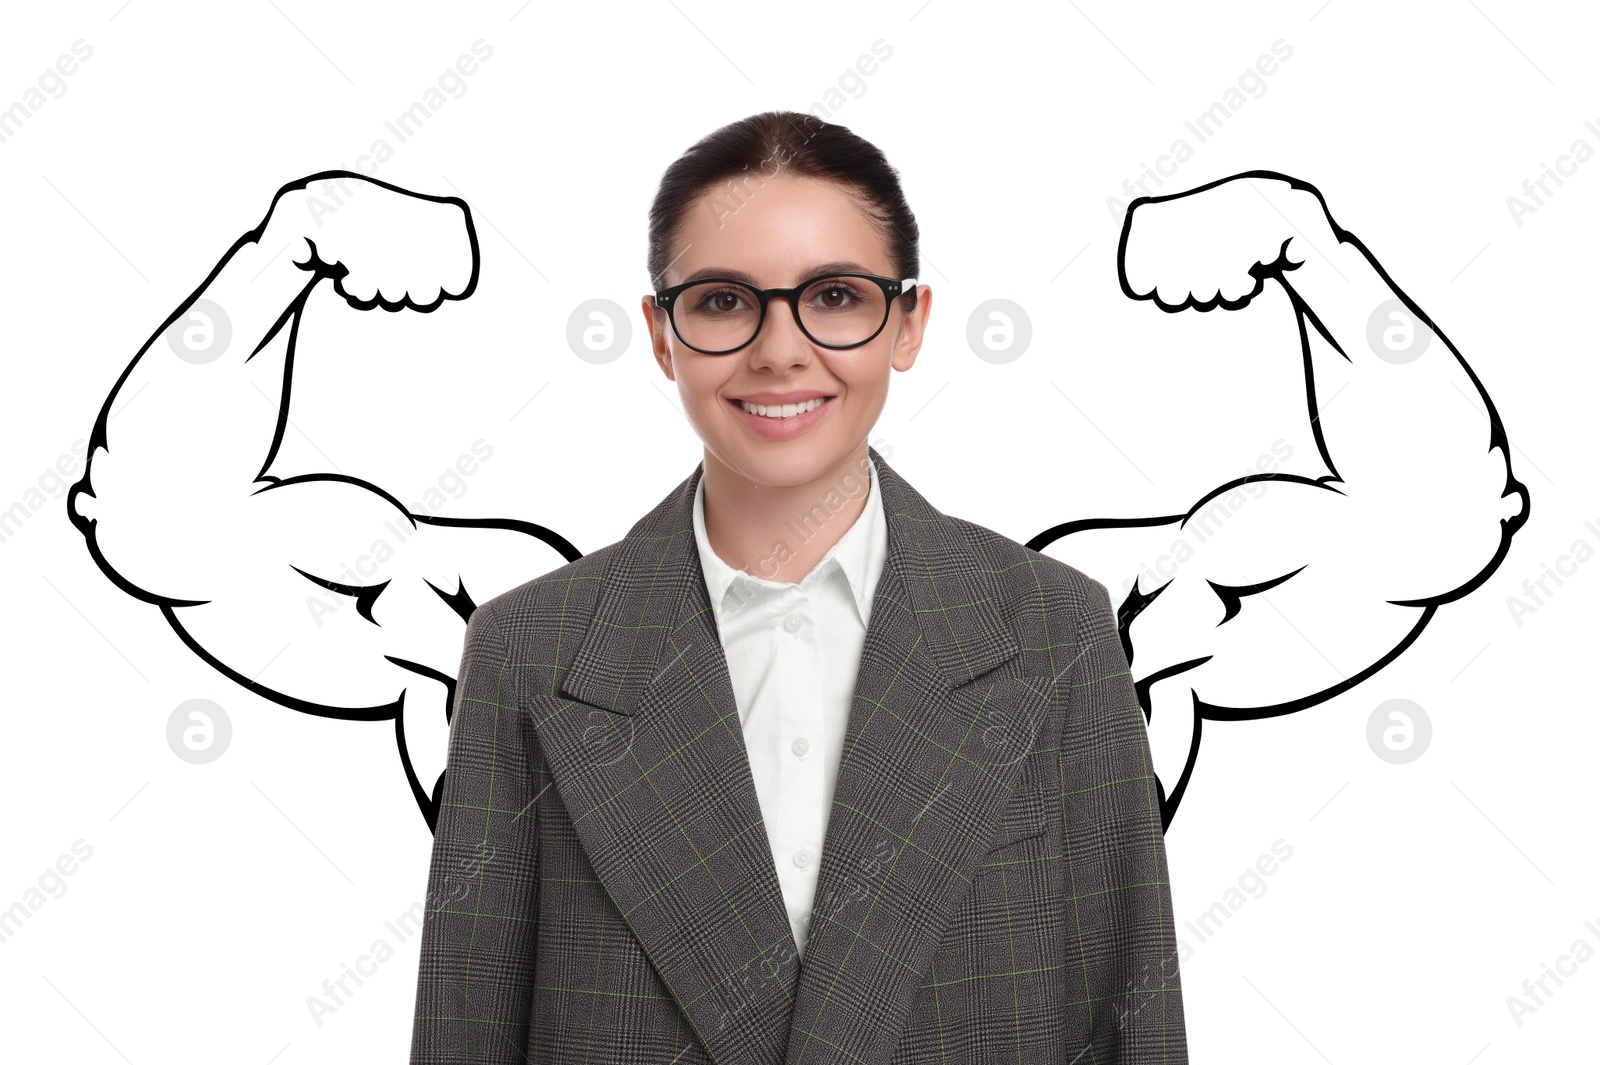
(1289, 589)
(319, 591)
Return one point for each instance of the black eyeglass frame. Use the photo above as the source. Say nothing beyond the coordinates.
(667, 299)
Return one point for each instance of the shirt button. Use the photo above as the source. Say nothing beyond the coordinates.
(802, 858)
(792, 622)
(800, 746)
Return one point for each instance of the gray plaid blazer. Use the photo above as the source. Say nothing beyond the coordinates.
(993, 883)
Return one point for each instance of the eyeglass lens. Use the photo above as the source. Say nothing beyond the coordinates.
(719, 315)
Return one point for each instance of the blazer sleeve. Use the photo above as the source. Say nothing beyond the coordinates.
(475, 981)
(1127, 997)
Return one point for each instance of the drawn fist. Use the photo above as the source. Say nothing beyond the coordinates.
(383, 246)
(1213, 246)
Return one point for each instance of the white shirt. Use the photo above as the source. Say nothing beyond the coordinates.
(793, 653)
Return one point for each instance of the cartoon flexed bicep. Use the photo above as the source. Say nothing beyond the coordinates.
(1287, 589)
(317, 590)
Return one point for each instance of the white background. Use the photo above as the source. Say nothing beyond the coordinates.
(219, 898)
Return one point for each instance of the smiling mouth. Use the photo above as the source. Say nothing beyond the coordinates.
(781, 412)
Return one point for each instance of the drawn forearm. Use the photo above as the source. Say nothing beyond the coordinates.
(200, 370)
(1398, 373)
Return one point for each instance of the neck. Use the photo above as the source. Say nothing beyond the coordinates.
(781, 532)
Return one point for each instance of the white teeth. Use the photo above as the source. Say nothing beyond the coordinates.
(786, 410)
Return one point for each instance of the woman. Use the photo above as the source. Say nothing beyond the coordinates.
(802, 769)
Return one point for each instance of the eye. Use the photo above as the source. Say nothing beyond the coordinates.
(835, 295)
(723, 300)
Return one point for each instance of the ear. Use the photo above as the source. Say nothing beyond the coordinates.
(913, 326)
(656, 324)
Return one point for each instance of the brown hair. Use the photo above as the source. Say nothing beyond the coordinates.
(771, 143)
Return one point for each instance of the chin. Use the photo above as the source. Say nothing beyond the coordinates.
(784, 465)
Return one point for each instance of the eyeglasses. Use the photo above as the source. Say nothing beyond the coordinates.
(718, 315)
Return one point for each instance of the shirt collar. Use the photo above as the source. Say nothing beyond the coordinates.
(859, 554)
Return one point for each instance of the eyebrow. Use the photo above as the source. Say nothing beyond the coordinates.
(837, 266)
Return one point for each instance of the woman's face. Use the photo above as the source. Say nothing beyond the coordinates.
(777, 234)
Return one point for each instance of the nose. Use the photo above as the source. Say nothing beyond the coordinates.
(780, 344)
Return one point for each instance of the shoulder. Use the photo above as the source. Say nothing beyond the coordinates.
(1057, 612)
(565, 597)
(1028, 580)
(540, 625)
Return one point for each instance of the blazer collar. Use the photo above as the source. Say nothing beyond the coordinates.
(651, 767)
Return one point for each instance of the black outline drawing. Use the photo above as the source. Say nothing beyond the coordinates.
(1231, 598)
(366, 597)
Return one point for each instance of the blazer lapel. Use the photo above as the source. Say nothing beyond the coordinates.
(650, 764)
(652, 767)
(934, 742)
